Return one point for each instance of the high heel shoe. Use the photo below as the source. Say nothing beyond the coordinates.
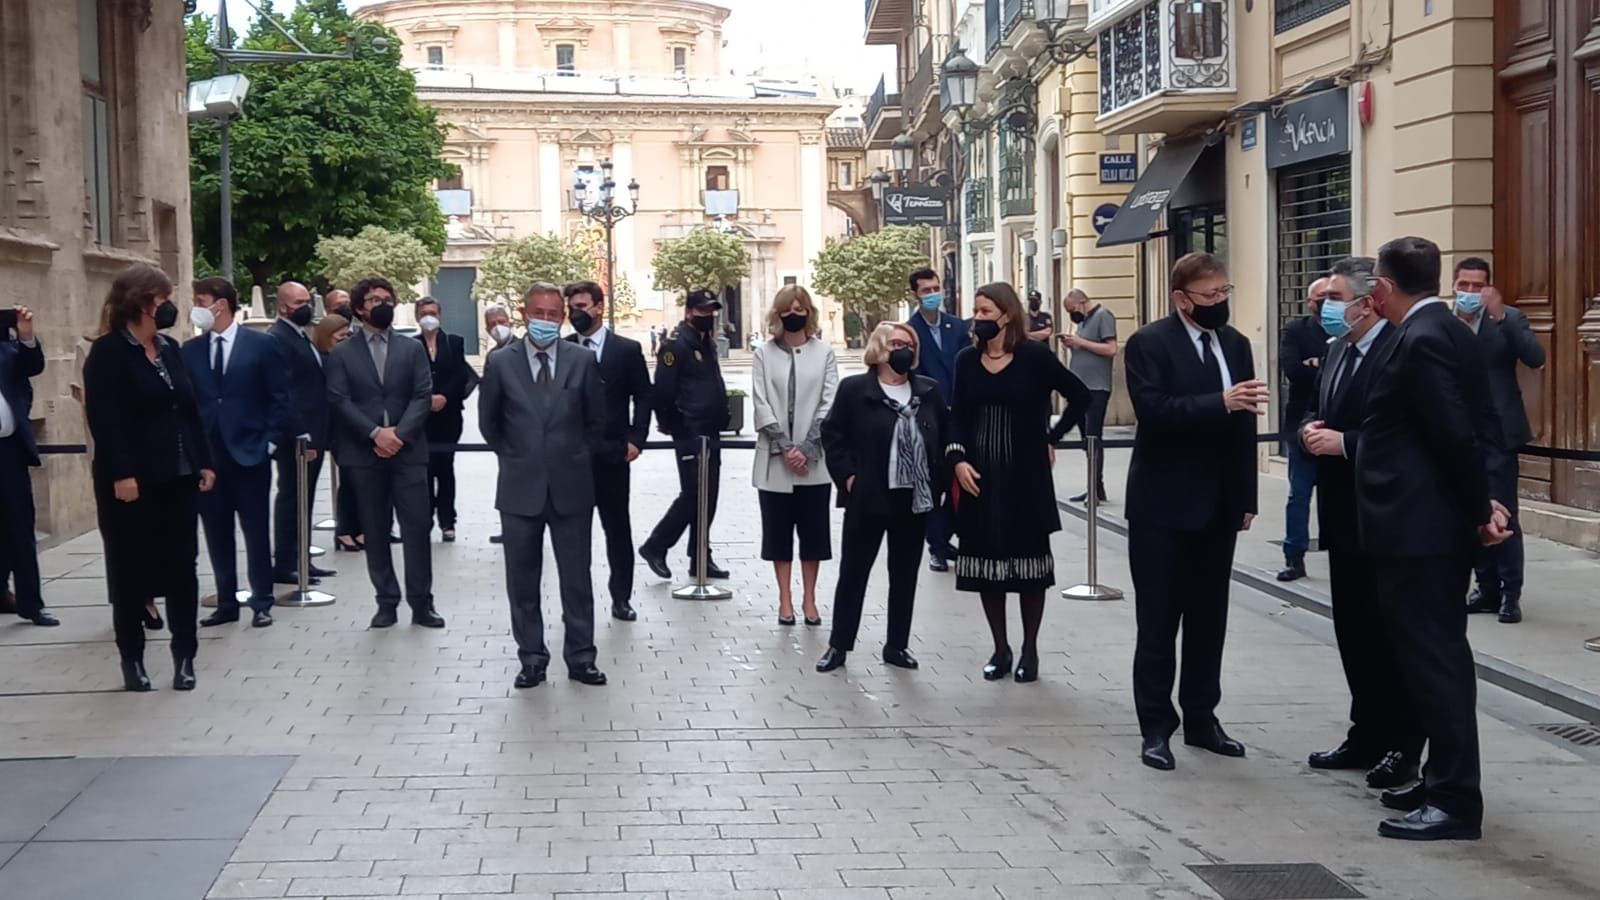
(999, 665)
(182, 674)
(811, 621)
(1028, 667)
(344, 543)
(786, 621)
(152, 620)
(134, 677)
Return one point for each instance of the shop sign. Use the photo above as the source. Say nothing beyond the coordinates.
(1309, 129)
(915, 205)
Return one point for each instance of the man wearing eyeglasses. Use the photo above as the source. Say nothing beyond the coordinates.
(1191, 490)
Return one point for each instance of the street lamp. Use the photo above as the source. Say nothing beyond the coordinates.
(1052, 17)
(878, 180)
(959, 77)
(604, 210)
(903, 153)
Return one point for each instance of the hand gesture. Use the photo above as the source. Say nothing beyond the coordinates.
(24, 323)
(1493, 303)
(795, 459)
(1498, 528)
(208, 480)
(1321, 440)
(1247, 396)
(968, 478)
(386, 443)
(127, 489)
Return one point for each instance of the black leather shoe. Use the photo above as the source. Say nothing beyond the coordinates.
(220, 618)
(623, 612)
(293, 578)
(260, 619)
(44, 618)
(1414, 797)
(588, 675)
(182, 674)
(1157, 754)
(1510, 610)
(529, 677)
(657, 562)
(152, 621)
(998, 666)
(385, 617)
(1214, 739)
(1293, 570)
(1343, 756)
(715, 571)
(938, 564)
(901, 658)
(1479, 601)
(427, 618)
(319, 572)
(134, 677)
(1430, 823)
(1027, 668)
(1392, 771)
(831, 659)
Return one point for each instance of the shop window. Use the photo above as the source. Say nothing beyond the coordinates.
(566, 59)
(1287, 14)
(435, 57)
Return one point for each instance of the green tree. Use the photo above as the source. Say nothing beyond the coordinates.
(377, 252)
(868, 273)
(322, 149)
(511, 266)
(705, 258)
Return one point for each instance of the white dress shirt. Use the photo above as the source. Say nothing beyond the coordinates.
(596, 342)
(8, 417)
(1195, 331)
(533, 358)
(1363, 347)
(229, 336)
(1418, 305)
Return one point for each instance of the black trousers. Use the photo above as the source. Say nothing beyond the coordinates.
(1382, 717)
(862, 535)
(442, 488)
(346, 514)
(524, 551)
(241, 493)
(613, 484)
(285, 532)
(683, 513)
(1180, 580)
(19, 552)
(151, 546)
(1094, 425)
(1500, 567)
(1420, 599)
(386, 492)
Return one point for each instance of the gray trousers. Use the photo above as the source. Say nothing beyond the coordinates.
(385, 493)
(524, 549)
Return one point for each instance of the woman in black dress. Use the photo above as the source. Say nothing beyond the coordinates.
(1002, 450)
(150, 461)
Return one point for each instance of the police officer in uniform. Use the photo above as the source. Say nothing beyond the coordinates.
(691, 402)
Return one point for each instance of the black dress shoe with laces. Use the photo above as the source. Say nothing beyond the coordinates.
(1430, 823)
(1393, 771)
(831, 659)
(1157, 754)
(134, 677)
(1214, 739)
(623, 612)
(1293, 570)
(901, 658)
(1343, 756)
(260, 618)
(44, 618)
(656, 561)
(385, 617)
(1481, 601)
(220, 617)
(182, 674)
(1414, 797)
(1510, 610)
(998, 666)
(319, 572)
(427, 618)
(713, 570)
(587, 675)
(529, 677)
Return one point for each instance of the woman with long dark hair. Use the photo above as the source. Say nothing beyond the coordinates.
(151, 460)
(1002, 449)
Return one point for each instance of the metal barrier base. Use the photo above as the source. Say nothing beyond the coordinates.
(314, 551)
(702, 592)
(1091, 592)
(209, 601)
(302, 599)
(325, 525)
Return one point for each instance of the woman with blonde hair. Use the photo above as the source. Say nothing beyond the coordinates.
(793, 379)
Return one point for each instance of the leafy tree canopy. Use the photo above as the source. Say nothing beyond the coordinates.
(509, 267)
(705, 258)
(377, 252)
(868, 272)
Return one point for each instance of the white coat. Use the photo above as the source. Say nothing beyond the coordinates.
(816, 380)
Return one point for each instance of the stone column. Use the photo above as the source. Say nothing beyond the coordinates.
(813, 198)
(552, 191)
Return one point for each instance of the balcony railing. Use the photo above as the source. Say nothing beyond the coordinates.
(918, 86)
(1013, 13)
(992, 30)
(1287, 14)
(882, 116)
(980, 214)
(1162, 46)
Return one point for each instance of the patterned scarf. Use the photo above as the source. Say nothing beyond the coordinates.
(911, 456)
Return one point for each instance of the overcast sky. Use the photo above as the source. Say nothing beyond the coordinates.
(786, 37)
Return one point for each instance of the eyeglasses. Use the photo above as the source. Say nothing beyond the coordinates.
(901, 345)
(1215, 296)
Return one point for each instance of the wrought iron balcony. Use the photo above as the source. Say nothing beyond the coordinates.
(882, 117)
(993, 32)
(919, 90)
(1164, 64)
(1013, 13)
(1287, 14)
(889, 20)
(980, 214)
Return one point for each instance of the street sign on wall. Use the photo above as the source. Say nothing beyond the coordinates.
(1119, 168)
(916, 205)
(1103, 214)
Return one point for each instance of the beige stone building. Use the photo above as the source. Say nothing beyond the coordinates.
(538, 94)
(94, 175)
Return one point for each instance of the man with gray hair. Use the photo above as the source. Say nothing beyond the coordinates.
(497, 324)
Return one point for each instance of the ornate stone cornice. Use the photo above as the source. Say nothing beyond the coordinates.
(548, 117)
(565, 28)
(433, 32)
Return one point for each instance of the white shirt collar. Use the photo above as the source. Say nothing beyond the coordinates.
(1365, 344)
(285, 320)
(1418, 305)
(599, 337)
(229, 333)
(1195, 331)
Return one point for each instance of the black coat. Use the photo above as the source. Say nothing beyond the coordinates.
(455, 379)
(1301, 340)
(1506, 343)
(1194, 462)
(18, 364)
(859, 430)
(308, 388)
(1421, 487)
(137, 421)
(1344, 412)
(690, 396)
(627, 389)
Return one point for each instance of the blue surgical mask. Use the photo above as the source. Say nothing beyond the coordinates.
(1469, 303)
(932, 302)
(543, 333)
(1332, 318)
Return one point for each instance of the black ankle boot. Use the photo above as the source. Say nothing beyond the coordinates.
(183, 673)
(134, 677)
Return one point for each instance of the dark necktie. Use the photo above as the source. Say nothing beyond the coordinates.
(1213, 371)
(544, 370)
(217, 368)
(1347, 368)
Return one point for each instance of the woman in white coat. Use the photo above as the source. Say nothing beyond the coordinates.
(793, 380)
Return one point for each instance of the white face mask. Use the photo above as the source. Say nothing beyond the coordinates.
(429, 323)
(202, 318)
(501, 334)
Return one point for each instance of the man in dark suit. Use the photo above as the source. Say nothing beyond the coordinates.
(1300, 350)
(1507, 339)
(1423, 504)
(453, 382)
(542, 411)
(21, 358)
(627, 383)
(308, 396)
(245, 408)
(380, 390)
(1191, 490)
(1383, 734)
(941, 336)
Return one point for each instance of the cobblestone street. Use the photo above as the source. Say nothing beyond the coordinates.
(717, 763)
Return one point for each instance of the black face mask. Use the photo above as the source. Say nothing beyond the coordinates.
(581, 320)
(703, 324)
(345, 312)
(381, 316)
(793, 322)
(301, 316)
(1210, 317)
(901, 360)
(1077, 317)
(166, 314)
(985, 330)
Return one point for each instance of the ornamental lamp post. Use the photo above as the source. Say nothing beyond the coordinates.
(959, 81)
(607, 212)
(879, 180)
(903, 154)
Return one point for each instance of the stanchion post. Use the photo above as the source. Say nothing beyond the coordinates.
(303, 596)
(332, 521)
(700, 589)
(1093, 589)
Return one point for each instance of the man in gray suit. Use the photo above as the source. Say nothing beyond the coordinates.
(380, 392)
(541, 407)
(1507, 339)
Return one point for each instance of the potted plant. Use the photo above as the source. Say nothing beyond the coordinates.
(736, 410)
(852, 330)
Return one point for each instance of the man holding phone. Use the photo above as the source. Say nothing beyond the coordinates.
(21, 358)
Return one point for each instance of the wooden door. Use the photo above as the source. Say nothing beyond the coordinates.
(1547, 224)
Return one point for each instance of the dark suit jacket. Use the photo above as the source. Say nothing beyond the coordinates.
(937, 360)
(138, 421)
(18, 363)
(1194, 463)
(1506, 343)
(455, 379)
(359, 401)
(308, 387)
(1344, 412)
(250, 407)
(1421, 488)
(626, 379)
(857, 434)
(1301, 340)
(545, 439)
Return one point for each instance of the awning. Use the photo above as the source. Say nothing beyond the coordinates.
(1138, 213)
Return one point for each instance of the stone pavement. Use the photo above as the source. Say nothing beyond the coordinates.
(718, 764)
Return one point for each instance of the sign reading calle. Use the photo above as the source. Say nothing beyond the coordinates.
(1309, 129)
(915, 205)
(1119, 168)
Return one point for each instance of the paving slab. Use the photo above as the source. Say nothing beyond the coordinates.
(174, 798)
(34, 791)
(125, 870)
